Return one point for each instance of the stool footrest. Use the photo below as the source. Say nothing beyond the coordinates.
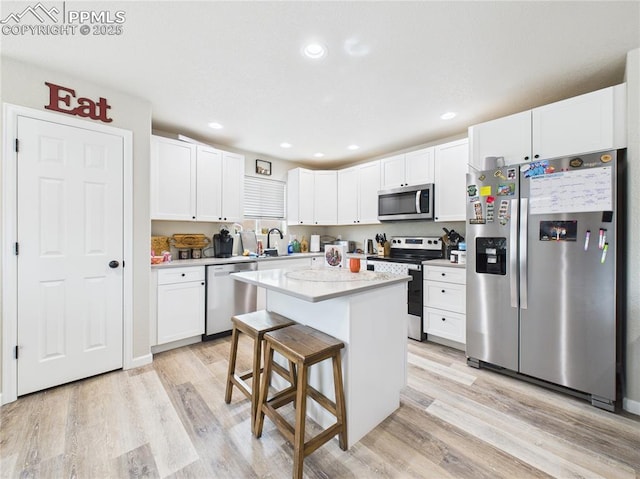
(240, 384)
(282, 398)
(317, 441)
(322, 400)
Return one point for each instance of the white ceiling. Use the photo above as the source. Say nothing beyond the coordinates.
(392, 67)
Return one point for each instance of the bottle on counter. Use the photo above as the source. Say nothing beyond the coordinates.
(304, 245)
(290, 248)
(296, 245)
(260, 248)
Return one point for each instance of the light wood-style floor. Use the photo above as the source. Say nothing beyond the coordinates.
(169, 419)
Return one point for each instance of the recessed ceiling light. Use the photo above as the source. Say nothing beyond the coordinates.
(352, 147)
(215, 125)
(314, 50)
(448, 115)
(318, 155)
(284, 144)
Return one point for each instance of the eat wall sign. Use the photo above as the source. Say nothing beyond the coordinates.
(63, 99)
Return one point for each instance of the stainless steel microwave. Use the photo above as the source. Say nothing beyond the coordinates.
(406, 203)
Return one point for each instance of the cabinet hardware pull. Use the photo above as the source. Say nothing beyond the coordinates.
(444, 319)
(443, 290)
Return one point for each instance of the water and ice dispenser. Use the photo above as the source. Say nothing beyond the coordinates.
(491, 255)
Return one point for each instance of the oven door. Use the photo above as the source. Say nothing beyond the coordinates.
(415, 303)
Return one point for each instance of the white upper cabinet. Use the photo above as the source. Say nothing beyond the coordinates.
(312, 197)
(451, 161)
(190, 182)
(581, 124)
(413, 168)
(173, 179)
(325, 197)
(208, 190)
(232, 187)
(348, 185)
(508, 137)
(393, 172)
(419, 167)
(358, 194)
(591, 122)
(369, 185)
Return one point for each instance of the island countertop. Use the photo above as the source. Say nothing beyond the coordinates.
(319, 284)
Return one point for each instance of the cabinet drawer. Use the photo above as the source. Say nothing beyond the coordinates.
(445, 274)
(181, 275)
(447, 296)
(445, 324)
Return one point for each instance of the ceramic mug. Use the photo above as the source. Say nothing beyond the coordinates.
(354, 265)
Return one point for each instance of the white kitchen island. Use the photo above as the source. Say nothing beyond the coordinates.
(368, 312)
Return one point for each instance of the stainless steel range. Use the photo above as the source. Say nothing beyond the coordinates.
(407, 254)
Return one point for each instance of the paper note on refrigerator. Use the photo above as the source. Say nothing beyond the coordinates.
(577, 191)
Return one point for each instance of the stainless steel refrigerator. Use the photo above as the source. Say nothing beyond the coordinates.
(544, 272)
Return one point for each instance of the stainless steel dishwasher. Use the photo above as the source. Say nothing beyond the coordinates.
(227, 297)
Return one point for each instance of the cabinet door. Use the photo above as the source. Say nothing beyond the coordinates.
(393, 172)
(173, 179)
(369, 182)
(419, 167)
(348, 196)
(445, 324)
(508, 137)
(306, 197)
(209, 184)
(577, 125)
(446, 296)
(232, 187)
(450, 180)
(325, 197)
(180, 311)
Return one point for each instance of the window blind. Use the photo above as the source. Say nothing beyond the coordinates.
(263, 198)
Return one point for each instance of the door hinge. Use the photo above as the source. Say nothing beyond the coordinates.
(17, 147)
(17, 249)
(16, 351)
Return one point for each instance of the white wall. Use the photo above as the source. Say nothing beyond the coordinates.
(23, 85)
(632, 390)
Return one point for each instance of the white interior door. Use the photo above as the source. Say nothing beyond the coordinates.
(70, 227)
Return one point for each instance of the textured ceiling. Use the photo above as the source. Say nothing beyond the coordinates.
(391, 70)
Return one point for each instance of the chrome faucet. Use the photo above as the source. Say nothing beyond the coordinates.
(269, 236)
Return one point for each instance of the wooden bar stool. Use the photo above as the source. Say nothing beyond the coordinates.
(255, 325)
(304, 346)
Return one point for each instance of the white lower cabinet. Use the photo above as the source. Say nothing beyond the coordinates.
(180, 303)
(445, 302)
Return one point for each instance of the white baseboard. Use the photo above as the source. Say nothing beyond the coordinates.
(140, 361)
(446, 342)
(176, 344)
(631, 406)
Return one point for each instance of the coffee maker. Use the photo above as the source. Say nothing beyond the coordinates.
(223, 244)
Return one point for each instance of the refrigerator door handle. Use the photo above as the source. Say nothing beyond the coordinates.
(513, 259)
(524, 216)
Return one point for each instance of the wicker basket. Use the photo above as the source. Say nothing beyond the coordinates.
(159, 244)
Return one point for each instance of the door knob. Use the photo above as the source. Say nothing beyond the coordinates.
(114, 264)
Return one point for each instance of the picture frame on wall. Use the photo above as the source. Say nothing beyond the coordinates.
(263, 167)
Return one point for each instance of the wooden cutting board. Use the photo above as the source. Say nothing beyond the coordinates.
(188, 241)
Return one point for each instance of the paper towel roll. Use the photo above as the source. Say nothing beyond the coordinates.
(314, 245)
